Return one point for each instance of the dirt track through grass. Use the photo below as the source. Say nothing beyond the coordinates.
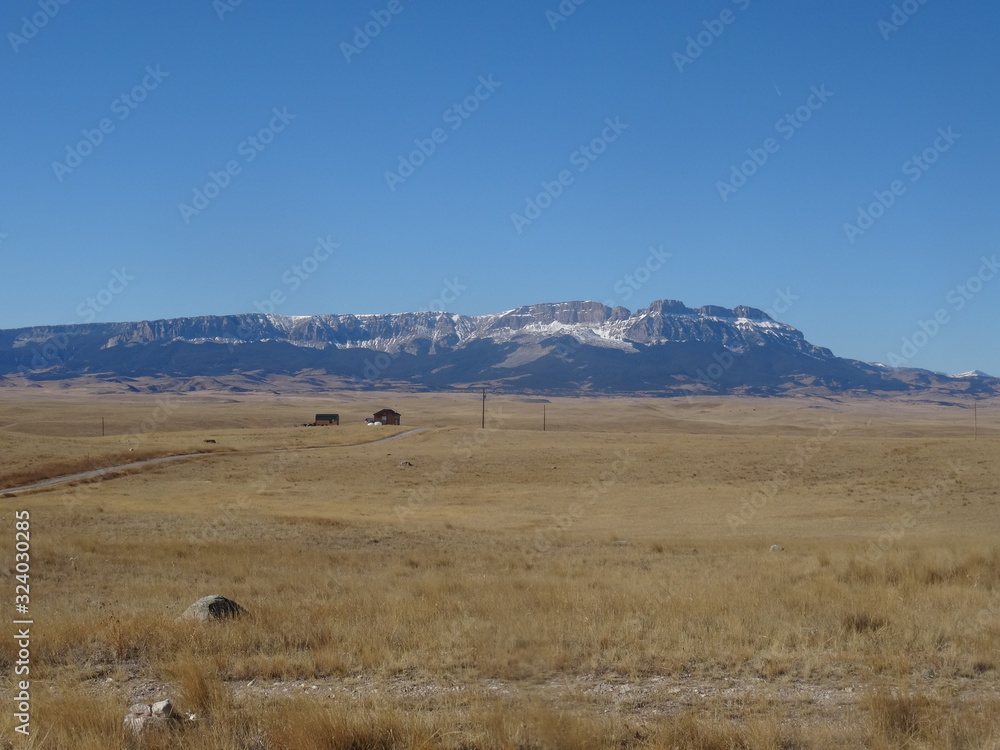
(144, 463)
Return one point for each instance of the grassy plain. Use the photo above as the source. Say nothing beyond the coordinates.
(605, 583)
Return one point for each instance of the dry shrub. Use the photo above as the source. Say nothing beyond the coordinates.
(860, 572)
(863, 622)
(897, 718)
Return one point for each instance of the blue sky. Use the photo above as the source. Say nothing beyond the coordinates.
(481, 156)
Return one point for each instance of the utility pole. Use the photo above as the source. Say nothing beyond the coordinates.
(543, 417)
(102, 426)
(484, 409)
(975, 418)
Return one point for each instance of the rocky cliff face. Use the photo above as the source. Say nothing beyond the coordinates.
(666, 348)
(662, 322)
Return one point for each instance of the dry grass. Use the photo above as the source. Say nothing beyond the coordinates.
(519, 589)
(375, 724)
(915, 719)
(347, 600)
(888, 721)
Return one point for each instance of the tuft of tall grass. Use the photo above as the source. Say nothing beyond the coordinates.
(905, 718)
(199, 687)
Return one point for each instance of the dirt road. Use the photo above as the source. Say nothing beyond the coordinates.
(94, 473)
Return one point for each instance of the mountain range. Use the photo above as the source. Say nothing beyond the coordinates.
(665, 349)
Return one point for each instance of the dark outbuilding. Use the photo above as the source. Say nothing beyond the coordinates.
(387, 416)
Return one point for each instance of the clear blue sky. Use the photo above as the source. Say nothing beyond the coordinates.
(211, 76)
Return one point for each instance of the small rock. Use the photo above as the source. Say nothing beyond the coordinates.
(405, 463)
(214, 607)
(777, 548)
(142, 716)
(164, 709)
(209, 441)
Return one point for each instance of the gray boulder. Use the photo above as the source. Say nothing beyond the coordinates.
(141, 716)
(214, 607)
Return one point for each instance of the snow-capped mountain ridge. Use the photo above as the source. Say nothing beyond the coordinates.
(663, 321)
(666, 348)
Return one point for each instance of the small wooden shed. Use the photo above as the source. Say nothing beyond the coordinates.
(387, 416)
(327, 419)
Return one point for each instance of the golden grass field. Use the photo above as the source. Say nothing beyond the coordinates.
(605, 583)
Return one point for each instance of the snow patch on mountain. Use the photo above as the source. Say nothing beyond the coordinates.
(971, 374)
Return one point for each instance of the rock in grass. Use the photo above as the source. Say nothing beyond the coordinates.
(777, 548)
(214, 607)
(142, 716)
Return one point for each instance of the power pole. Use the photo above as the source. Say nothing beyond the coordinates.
(543, 417)
(975, 418)
(102, 426)
(484, 409)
